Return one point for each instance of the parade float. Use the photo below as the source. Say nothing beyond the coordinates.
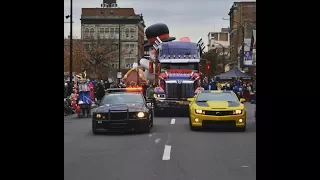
(135, 76)
(85, 97)
(174, 67)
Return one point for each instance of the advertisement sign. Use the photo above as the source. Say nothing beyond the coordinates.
(247, 59)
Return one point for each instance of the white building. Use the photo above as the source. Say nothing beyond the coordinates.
(216, 39)
(220, 41)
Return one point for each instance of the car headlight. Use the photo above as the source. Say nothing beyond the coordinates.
(98, 115)
(199, 111)
(237, 112)
(140, 114)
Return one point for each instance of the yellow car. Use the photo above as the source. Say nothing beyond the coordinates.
(217, 109)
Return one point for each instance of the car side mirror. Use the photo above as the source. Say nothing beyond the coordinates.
(242, 100)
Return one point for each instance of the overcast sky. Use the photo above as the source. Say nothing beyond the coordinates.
(191, 18)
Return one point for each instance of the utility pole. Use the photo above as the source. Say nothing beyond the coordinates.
(119, 70)
(70, 41)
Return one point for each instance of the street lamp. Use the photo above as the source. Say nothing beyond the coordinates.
(70, 16)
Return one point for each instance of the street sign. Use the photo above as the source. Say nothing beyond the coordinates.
(119, 75)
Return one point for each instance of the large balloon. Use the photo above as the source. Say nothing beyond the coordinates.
(145, 64)
(185, 39)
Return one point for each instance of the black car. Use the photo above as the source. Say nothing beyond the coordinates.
(121, 110)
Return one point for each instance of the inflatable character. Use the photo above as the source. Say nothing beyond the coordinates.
(152, 32)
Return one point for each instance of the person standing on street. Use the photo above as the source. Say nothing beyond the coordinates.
(100, 91)
(69, 89)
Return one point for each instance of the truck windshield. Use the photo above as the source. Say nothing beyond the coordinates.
(192, 66)
(179, 51)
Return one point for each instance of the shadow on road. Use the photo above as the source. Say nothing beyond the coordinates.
(250, 128)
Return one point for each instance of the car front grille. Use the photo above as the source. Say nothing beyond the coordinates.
(114, 116)
(219, 113)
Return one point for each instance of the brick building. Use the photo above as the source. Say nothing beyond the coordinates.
(107, 22)
(242, 16)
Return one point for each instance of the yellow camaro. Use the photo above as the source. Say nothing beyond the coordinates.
(217, 109)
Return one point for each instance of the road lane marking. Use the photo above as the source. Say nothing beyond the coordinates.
(166, 153)
(157, 140)
(173, 121)
(244, 166)
(151, 134)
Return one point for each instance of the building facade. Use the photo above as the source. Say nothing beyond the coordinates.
(111, 22)
(242, 17)
(220, 42)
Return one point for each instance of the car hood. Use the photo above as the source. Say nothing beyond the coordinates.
(120, 107)
(219, 105)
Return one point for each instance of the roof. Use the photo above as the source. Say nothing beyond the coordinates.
(106, 11)
(233, 73)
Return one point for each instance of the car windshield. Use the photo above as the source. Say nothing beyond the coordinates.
(216, 97)
(122, 98)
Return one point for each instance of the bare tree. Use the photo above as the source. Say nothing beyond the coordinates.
(100, 53)
(79, 55)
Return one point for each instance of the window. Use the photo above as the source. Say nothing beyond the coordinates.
(127, 46)
(122, 98)
(132, 50)
(101, 32)
(132, 32)
(127, 33)
(111, 12)
(111, 35)
(86, 33)
(91, 33)
(106, 31)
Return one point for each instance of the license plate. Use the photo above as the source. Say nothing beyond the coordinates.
(99, 122)
(180, 102)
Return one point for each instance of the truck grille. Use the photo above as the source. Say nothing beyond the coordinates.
(175, 90)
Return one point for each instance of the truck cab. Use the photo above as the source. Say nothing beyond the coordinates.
(178, 74)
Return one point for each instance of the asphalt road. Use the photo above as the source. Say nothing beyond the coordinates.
(170, 152)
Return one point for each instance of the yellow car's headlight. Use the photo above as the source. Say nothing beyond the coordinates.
(98, 115)
(140, 114)
(200, 111)
(237, 112)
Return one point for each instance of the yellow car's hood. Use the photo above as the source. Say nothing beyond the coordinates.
(219, 105)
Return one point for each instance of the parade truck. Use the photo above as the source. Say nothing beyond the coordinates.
(176, 67)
